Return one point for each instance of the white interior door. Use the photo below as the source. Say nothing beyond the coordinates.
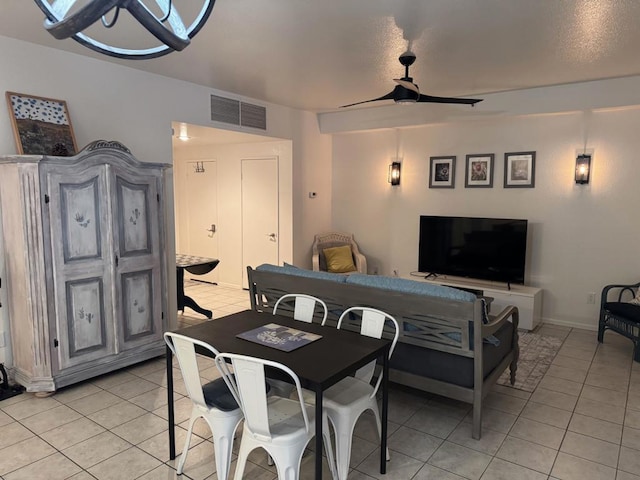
(201, 211)
(259, 213)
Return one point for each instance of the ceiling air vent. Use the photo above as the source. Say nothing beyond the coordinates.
(253, 116)
(228, 110)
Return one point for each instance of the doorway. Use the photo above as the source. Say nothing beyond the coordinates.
(194, 194)
(260, 226)
(201, 195)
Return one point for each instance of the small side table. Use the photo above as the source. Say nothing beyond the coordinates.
(196, 266)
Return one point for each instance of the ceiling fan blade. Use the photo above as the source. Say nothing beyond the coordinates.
(407, 84)
(384, 97)
(463, 101)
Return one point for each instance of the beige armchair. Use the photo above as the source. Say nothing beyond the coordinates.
(336, 239)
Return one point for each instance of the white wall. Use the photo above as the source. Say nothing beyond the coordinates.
(581, 237)
(229, 190)
(113, 102)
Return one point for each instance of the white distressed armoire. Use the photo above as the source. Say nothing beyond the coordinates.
(86, 266)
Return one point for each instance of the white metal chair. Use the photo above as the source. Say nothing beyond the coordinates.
(348, 399)
(283, 427)
(213, 401)
(304, 306)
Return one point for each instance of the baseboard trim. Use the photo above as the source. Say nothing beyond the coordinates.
(566, 323)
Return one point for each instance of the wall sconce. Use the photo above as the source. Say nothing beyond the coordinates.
(583, 167)
(394, 174)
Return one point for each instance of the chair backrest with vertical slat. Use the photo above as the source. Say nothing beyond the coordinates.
(247, 385)
(372, 322)
(183, 348)
(304, 306)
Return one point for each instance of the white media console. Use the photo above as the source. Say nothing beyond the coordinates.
(527, 299)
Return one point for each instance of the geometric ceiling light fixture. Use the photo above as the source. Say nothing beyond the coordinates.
(68, 18)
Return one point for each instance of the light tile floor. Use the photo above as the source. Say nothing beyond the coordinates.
(582, 422)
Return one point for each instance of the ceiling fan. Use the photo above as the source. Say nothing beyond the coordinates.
(407, 92)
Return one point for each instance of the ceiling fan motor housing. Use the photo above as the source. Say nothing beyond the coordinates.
(404, 95)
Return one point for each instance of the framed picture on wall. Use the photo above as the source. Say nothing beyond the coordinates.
(519, 169)
(41, 126)
(442, 172)
(479, 171)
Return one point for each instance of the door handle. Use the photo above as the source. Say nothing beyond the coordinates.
(212, 230)
(272, 236)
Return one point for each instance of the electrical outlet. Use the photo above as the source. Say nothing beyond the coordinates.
(591, 298)
(2, 340)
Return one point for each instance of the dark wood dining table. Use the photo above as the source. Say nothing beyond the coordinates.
(319, 364)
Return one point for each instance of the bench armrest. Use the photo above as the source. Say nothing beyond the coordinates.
(495, 322)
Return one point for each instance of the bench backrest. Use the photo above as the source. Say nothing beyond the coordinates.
(428, 321)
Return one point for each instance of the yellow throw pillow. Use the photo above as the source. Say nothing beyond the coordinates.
(339, 259)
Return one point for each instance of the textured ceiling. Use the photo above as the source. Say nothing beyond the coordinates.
(317, 55)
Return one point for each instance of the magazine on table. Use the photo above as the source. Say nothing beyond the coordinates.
(280, 337)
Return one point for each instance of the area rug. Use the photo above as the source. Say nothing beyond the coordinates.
(536, 354)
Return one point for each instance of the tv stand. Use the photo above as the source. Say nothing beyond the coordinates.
(527, 299)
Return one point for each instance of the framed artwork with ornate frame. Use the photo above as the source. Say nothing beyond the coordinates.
(519, 169)
(41, 126)
(479, 171)
(442, 172)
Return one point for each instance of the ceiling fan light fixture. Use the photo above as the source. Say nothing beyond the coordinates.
(403, 95)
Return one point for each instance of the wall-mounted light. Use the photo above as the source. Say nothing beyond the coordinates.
(583, 168)
(394, 174)
(183, 135)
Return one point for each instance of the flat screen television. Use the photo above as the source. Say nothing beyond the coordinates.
(483, 248)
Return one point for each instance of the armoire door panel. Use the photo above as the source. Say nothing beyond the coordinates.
(80, 215)
(137, 307)
(81, 249)
(140, 302)
(89, 331)
(138, 275)
(133, 217)
(78, 210)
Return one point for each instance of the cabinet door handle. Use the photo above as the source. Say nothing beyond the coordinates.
(117, 260)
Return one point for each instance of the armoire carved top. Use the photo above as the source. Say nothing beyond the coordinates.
(97, 149)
